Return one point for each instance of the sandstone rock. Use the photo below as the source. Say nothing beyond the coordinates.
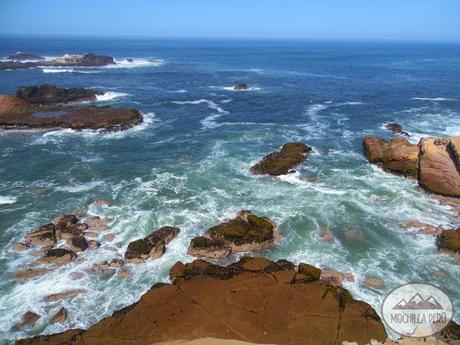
(438, 172)
(373, 282)
(16, 113)
(117, 263)
(281, 162)
(92, 244)
(310, 273)
(423, 228)
(260, 305)
(152, 246)
(335, 278)
(96, 224)
(51, 94)
(28, 319)
(205, 247)
(65, 220)
(20, 247)
(42, 236)
(29, 273)
(397, 156)
(449, 240)
(241, 87)
(60, 316)
(20, 56)
(58, 256)
(124, 273)
(109, 237)
(78, 244)
(64, 295)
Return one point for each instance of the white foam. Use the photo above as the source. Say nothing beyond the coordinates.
(314, 109)
(433, 99)
(232, 88)
(68, 70)
(137, 62)
(108, 96)
(82, 187)
(210, 104)
(7, 200)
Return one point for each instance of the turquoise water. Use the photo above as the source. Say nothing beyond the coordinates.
(188, 164)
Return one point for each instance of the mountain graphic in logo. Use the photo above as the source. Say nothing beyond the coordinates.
(418, 303)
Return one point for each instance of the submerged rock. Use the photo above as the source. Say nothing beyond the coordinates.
(256, 300)
(439, 169)
(60, 316)
(50, 94)
(16, 113)
(28, 319)
(449, 240)
(397, 156)
(63, 295)
(68, 60)
(281, 162)
(29, 273)
(152, 246)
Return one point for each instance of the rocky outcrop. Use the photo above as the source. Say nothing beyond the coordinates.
(438, 168)
(396, 128)
(397, 156)
(51, 94)
(28, 319)
(241, 87)
(68, 60)
(44, 236)
(245, 233)
(449, 240)
(60, 316)
(255, 299)
(16, 113)
(153, 246)
(281, 162)
(20, 56)
(57, 256)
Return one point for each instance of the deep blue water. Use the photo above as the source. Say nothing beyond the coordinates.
(188, 164)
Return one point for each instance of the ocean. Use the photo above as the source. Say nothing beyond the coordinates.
(188, 164)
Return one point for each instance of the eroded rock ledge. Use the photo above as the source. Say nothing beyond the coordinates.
(255, 300)
(51, 94)
(17, 113)
(434, 161)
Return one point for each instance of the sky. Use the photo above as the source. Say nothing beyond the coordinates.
(420, 20)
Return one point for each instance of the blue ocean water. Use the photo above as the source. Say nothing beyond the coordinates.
(188, 164)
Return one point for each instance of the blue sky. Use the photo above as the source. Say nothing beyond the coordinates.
(429, 20)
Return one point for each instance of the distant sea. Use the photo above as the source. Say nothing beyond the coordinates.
(188, 164)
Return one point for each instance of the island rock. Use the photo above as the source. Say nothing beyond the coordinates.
(51, 94)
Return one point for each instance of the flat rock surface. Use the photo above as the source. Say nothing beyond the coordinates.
(254, 300)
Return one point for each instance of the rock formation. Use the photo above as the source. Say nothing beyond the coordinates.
(255, 300)
(16, 113)
(153, 246)
(434, 161)
(396, 128)
(282, 161)
(241, 87)
(245, 233)
(20, 56)
(50, 94)
(68, 60)
(449, 240)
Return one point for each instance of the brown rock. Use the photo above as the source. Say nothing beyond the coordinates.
(205, 247)
(396, 128)
(92, 244)
(78, 244)
(152, 246)
(58, 256)
(259, 306)
(423, 228)
(310, 273)
(397, 156)
(326, 234)
(90, 234)
(96, 224)
(64, 295)
(60, 316)
(372, 282)
(124, 273)
(100, 202)
(281, 162)
(43, 236)
(335, 278)
(29, 273)
(450, 334)
(109, 237)
(439, 172)
(116, 263)
(28, 319)
(449, 240)
(20, 247)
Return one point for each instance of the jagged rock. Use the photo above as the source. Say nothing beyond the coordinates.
(205, 247)
(51, 94)
(66, 220)
(438, 170)
(58, 256)
(396, 128)
(29, 273)
(43, 236)
(449, 240)
(16, 113)
(78, 244)
(259, 304)
(20, 56)
(20, 247)
(281, 162)
(335, 278)
(308, 273)
(241, 87)
(28, 319)
(397, 156)
(373, 282)
(60, 316)
(70, 231)
(96, 224)
(63, 295)
(152, 246)
(68, 60)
